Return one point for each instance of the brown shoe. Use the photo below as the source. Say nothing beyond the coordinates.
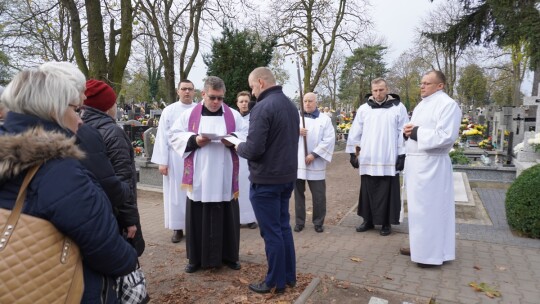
(405, 251)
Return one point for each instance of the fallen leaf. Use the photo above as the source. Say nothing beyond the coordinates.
(476, 267)
(486, 289)
(369, 289)
(243, 281)
(355, 259)
(388, 278)
(240, 299)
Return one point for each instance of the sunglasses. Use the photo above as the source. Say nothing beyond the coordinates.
(186, 89)
(212, 97)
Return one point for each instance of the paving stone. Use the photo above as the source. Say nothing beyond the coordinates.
(375, 300)
(509, 262)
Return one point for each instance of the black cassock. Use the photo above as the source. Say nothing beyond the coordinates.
(380, 199)
(212, 233)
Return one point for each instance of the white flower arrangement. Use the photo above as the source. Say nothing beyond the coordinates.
(535, 142)
(518, 148)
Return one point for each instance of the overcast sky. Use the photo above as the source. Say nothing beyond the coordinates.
(395, 20)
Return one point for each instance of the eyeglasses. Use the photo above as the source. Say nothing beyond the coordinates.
(186, 89)
(212, 97)
(426, 84)
(76, 108)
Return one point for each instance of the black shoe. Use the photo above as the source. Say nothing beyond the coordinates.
(252, 225)
(298, 228)
(263, 288)
(365, 226)
(319, 228)
(386, 230)
(426, 265)
(291, 284)
(233, 265)
(177, 236)
(191, 268)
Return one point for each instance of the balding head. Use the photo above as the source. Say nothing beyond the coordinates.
(310, 102)
(261, 79)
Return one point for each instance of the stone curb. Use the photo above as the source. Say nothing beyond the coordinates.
(308, 291)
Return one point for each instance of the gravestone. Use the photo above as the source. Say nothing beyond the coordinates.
(482, 119)
(534, 101)
(501, 123)
(517, 124)
(157, 112)
(135, 132)
(149, 138)
(527, 157)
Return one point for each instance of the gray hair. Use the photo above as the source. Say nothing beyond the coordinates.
(214, 83)
(70, 71)
(46, 94)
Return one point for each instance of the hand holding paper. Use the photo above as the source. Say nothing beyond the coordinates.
(232, 140)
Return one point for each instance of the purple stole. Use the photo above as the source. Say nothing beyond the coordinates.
(193, 126)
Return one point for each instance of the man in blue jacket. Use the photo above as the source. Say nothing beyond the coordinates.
(270, 148)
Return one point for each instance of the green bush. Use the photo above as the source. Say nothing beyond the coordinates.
(523, 203)
(458, 157)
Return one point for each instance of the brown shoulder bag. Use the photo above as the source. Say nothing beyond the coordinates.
(38, 264)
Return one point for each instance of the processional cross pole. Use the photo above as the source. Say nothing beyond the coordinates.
(301, 92)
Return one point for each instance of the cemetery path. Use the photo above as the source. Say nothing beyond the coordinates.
(352, 267)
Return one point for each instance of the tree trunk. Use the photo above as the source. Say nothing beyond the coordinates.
(536, 80)
(118, 61)
(75, 21)
(96, 41)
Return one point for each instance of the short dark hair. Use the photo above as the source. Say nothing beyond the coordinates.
(184, 81)
(439, 75)
(243, 93)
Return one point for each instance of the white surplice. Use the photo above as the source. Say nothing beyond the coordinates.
(213, 167)
(379, 134)
(247, 215)
(429, 180)
(174, 198)
(320, 139)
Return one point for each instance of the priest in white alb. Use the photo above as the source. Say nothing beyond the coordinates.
(171, 165)
(210, 178)
(431, 134)
(247, 215)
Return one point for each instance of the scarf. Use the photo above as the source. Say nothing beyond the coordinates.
(193, 126)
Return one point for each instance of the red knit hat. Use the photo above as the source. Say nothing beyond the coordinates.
(99, 95)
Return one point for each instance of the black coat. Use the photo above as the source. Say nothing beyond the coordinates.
(97, 162)
(121, 155)
(271, 147)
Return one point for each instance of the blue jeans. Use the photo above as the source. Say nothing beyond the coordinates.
(271, 205)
